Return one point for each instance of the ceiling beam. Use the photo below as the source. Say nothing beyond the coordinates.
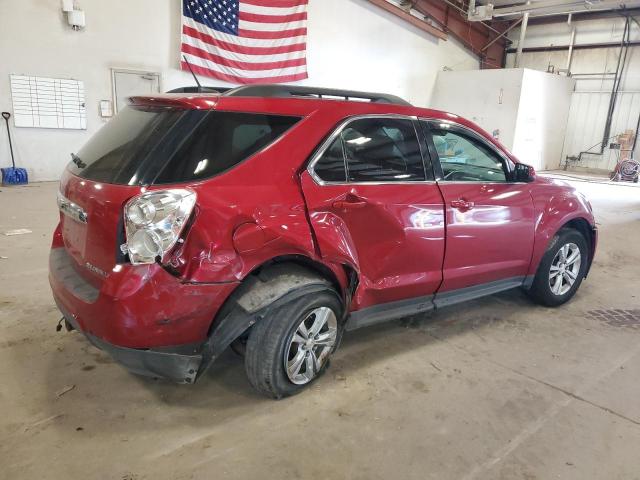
(475, 36)
(583, 46)
(576, 17)
(444, 18)
(561, 7)
(413, 20)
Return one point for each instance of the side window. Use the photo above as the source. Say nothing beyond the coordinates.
(382, 150)
(220, 142)
(330, 167)
(464, 158)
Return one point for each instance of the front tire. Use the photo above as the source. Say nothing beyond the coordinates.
(561, 269)
(290, 348)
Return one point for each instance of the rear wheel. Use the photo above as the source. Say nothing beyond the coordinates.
(561, 269)
(290, 348)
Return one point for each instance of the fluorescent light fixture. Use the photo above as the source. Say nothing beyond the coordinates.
(202, 164)
(359, 140)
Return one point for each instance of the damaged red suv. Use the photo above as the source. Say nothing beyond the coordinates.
(274, 218)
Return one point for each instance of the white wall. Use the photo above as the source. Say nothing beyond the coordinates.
(590, 101)
(351, 44)
(492, 102)
(527, 108)
(542, 119)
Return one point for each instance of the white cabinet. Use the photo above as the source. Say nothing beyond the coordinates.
(526, 110)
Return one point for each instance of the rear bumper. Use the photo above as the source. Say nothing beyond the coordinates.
(170, 363)
(146, 319)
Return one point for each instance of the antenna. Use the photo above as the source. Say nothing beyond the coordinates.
(194, 75)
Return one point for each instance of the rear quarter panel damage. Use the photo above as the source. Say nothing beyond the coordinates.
(233, 234)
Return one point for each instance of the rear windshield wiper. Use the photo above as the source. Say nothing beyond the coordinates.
(76, 159)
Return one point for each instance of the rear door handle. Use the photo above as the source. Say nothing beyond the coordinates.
(351, 202)
(347, 205)
(462, 204)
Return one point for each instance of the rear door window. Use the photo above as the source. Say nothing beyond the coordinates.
(382, 150)
(331, 166)
(373, 149)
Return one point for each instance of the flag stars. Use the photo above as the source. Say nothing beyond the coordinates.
(219, 14)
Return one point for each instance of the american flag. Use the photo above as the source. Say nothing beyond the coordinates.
(246, 41)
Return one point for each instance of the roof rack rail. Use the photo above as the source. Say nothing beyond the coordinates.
(311, 92)
(203, 89)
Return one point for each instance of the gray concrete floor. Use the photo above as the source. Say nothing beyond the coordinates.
(494, 389)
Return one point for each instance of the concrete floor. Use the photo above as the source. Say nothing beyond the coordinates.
(494, 389)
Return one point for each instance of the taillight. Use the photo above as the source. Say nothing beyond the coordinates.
(153, 222)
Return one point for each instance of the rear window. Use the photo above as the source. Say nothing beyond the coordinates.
(162, 145)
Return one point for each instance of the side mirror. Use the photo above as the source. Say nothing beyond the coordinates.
(523, 173)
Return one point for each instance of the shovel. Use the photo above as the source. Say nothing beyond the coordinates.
(12, 175)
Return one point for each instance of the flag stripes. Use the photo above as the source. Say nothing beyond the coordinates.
(246, 41)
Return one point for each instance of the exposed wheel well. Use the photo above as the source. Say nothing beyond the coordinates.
(322, 271)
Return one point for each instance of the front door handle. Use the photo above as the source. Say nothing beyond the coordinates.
(462, 204)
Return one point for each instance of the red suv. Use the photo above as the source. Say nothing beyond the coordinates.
(274, 218)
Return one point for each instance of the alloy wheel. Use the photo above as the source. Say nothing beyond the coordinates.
(565, 269)
(310, 345)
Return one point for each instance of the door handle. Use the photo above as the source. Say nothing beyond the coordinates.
(351, 202)
(462, 204)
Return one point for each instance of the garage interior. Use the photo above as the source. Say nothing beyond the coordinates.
(496, 388)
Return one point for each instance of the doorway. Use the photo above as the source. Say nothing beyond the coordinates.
(132, 82)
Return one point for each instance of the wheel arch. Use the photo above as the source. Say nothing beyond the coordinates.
(266, 285)
(583, 226)
(544, 236)
(340, 276)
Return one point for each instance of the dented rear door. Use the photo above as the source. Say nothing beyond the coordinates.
(373, 204)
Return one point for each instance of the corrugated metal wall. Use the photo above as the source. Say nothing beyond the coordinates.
(593, 70)
(585, 125)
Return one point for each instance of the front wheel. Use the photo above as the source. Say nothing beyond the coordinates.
(561, 269)
(290, 348)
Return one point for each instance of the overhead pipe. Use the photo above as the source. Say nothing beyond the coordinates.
(616, 85)
(576, 46)
(523, 33)
(571, 42)
(562, 7)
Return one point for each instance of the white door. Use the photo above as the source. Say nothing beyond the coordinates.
(129, 82)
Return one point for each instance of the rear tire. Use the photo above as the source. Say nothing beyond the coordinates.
(561, 269)
(284, 352)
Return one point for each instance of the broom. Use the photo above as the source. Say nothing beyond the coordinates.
(12, 175)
